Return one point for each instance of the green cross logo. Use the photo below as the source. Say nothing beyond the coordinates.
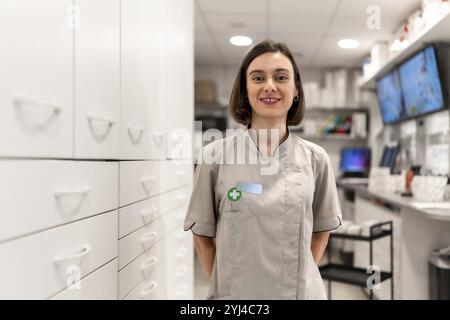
(233, 194)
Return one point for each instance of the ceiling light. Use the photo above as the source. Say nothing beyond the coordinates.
(241, 41)
(348, 43)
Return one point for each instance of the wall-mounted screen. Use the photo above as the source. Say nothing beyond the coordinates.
(390, 97)
(421, 84)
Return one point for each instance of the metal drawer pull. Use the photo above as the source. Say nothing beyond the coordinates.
(149, 263)
(92, 117)
(181, 289)
(20, 102)
(138, 129)
(182, 271)
(152, 288)
(81, 191)
(182, 252)
(148, 214)
(149, 237)
(85, 249)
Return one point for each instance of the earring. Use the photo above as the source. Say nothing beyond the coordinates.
(296, 98)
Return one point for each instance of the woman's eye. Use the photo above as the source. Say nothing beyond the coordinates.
(281, 78)
(257, 78)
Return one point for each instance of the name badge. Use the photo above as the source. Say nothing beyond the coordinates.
(249, 187)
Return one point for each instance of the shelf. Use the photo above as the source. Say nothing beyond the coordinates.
(336, 109)
(383, 233)
(350, 275)
(334, 137)
(436, 33)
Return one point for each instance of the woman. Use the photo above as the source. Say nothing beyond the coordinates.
(261, 235)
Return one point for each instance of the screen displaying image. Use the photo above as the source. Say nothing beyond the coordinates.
(419, 77)
(355, 160)
(390, 97)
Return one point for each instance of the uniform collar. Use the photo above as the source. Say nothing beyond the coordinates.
(281, 149)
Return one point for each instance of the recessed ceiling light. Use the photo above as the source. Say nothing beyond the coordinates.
(348, 43)
(241, 41)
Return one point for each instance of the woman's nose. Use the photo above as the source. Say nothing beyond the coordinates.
(269, 86)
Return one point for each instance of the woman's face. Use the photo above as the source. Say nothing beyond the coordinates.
(270, 85)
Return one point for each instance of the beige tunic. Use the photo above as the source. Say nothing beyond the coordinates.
(263, 240)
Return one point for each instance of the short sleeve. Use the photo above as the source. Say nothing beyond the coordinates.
(201, 213)
(326, 208)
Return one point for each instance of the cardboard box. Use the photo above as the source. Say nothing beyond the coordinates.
(205, 91)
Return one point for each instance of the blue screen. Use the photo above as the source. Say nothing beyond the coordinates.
(419, 77)
(390, 97)
(355, 160)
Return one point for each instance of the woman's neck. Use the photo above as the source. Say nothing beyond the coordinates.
(263, 129)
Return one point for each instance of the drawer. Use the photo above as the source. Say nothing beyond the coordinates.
(141, 269)
(57, 192)
(135, 216)
(36, 79)
(136, 243)
(99, 285)
(175, 174)
(155, 288)
(97, 94)
(138, 180)
(49, 260)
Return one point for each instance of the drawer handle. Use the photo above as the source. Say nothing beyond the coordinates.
(81, 191)
(182, 252)
(158, 137)
(149, 237)
(181, 289)
(146, 182)
(149, 263)
(92, 117)
(85, 249)
(138, 129)
(182, 271)
(152, 288)
(20, 102)
(148, 214)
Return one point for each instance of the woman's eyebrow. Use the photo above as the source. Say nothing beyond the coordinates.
(276, 70)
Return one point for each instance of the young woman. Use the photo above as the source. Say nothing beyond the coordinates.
(260, 234)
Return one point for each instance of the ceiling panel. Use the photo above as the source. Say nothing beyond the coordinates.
(311, 26)
(255, 7)
(237, 23)
(321, 8)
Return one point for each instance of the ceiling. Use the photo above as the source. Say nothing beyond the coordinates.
(311, 28)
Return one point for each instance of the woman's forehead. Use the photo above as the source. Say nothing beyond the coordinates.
(270, 62)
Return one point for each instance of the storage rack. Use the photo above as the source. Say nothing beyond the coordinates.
(359, 276)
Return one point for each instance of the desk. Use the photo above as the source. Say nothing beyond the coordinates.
(416, 233)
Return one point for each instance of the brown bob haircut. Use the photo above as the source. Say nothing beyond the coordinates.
(240, 108)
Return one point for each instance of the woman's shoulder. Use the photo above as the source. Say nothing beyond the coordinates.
(216, 150)
(315, 150)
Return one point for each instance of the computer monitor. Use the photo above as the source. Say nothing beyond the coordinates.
(390, 97)
(389, 156)
(355, 162)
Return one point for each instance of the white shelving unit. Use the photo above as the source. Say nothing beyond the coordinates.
(435, 33)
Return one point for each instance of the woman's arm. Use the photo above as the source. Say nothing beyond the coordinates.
(319, 242)
(206, 251)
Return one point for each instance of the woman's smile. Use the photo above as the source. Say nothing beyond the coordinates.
(270, 101)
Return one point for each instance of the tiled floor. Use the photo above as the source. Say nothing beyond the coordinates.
(339, 291)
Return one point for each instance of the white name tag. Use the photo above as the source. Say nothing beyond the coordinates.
(249, 187)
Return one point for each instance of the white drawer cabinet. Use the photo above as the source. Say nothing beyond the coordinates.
(41, 265)
(175, 174)
(36, 71)
(97, 70)
(136, 243)
(38, 194)
(141, 268)
(135, 216)
(99, 285)
(138, 180)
